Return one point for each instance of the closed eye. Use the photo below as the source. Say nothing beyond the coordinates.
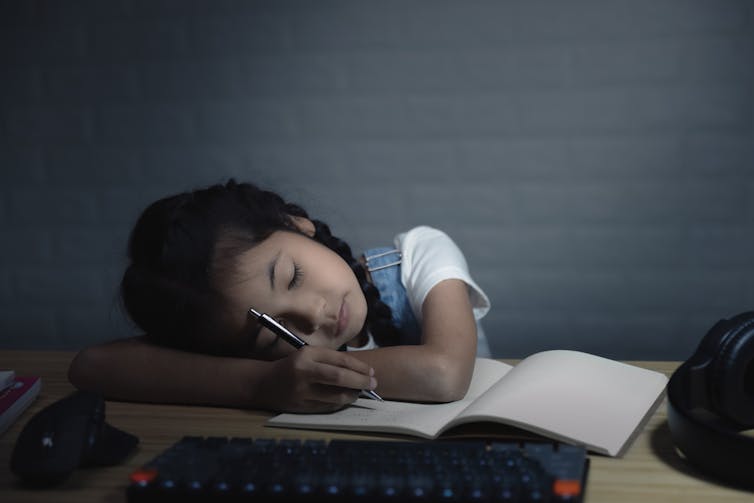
(297, 276)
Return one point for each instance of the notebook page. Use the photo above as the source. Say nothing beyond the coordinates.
(578, 397)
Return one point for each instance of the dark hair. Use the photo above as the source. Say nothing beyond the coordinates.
(174, 251)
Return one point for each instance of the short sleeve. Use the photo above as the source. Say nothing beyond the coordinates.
(430, 256)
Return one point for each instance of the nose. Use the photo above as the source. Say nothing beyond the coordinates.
(307, 314)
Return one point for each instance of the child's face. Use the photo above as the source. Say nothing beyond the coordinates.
(304, 285)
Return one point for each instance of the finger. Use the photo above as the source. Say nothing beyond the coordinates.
(342, 359)
(342, 377)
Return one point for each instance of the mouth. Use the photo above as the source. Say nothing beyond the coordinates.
(342, 319)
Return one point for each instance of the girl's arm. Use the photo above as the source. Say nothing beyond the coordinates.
(440, 368)
(309, 380)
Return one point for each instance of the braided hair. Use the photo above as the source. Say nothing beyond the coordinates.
(181, 244)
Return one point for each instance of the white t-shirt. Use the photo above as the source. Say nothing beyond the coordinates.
(429, 256)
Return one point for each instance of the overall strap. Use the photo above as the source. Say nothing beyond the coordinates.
(384, 266)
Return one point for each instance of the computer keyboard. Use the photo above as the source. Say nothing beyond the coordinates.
(245, 469)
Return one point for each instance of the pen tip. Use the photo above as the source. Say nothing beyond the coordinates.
(253, 312)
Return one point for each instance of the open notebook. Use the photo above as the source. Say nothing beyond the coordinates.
(569, 396)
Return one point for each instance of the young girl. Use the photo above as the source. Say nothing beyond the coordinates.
(398, 320)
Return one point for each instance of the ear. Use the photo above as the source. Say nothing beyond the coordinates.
(304, 225)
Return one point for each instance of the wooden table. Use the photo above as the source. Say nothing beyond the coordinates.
(651, 470)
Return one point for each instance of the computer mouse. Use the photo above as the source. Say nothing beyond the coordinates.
(65, 435)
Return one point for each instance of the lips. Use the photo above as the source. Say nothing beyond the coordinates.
(342, 318)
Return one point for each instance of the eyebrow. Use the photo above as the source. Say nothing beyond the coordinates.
(271, 269)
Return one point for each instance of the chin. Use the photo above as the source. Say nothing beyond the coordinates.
(358, 340)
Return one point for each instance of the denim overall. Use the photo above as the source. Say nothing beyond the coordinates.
(384, 265)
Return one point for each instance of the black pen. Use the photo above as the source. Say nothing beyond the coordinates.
(294, 340)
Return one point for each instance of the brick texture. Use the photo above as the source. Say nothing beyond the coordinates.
(594, 159)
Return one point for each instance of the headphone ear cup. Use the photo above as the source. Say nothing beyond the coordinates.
(709, 346)
(731, 378)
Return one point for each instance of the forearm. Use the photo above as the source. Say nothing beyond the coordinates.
(419, 373)
(309, 380)
(135, 370)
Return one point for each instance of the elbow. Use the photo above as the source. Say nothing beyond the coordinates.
(452, 378)
(454, 390)
(83, 369)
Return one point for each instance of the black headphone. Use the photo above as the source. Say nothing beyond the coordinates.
(711, 400)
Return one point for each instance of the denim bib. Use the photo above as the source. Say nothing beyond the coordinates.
(384, 265)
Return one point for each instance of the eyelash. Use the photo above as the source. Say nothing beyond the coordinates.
(297, 275)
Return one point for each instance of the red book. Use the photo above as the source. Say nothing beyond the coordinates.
(16, 398)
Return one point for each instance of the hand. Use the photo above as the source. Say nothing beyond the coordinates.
(315, 379)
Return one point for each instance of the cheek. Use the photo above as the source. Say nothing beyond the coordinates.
(319, 340)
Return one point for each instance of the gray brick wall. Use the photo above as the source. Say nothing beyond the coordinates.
(595, 159)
